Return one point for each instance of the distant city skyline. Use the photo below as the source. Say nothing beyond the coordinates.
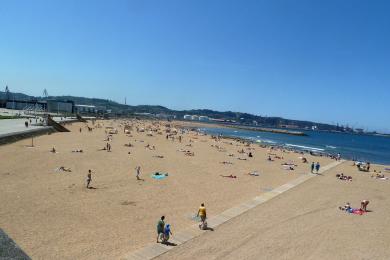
(322, 61)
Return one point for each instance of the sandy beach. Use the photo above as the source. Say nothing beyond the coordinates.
(305, 223)
(51, 215)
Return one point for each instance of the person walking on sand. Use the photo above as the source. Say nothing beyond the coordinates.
(202, 215)
(317, 167)
(160, 227)
(167, 233)
(138, 172)
(89, 178)
(312, 167)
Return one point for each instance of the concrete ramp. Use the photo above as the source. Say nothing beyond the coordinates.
(81, 119)
(58, 127)
(9, 249)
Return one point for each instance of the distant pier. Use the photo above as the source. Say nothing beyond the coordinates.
(270, 130)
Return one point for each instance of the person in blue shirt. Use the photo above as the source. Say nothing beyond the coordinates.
(317, 167)
(167, 232)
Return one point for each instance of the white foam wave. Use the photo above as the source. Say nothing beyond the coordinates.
(314, 149)
(265, 141)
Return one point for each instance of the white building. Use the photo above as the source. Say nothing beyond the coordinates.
(85, 109)
(204, 118)
(195, 118)
(187, 117)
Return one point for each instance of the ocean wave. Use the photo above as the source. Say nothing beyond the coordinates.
(314, 149)
(330, 146)
(265, 141)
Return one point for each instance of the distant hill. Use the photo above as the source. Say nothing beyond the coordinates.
(236, 117)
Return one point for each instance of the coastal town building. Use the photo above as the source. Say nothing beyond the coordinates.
(86, 109)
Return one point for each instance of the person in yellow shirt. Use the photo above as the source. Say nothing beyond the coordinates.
(202, 215)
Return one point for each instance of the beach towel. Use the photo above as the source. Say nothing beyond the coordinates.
(159, 176)
(356, 211)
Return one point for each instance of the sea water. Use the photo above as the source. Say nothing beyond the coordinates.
(375, 149)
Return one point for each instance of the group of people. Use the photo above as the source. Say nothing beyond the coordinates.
(361, 210)
(315, 166)
(164, 230)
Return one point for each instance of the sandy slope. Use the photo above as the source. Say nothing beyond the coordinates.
(305, 223)
(52, 216)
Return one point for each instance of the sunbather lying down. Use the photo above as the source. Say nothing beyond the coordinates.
(379, 176)
(77, 151)
(363, 207)
(253, 173)
(343, 177)
(229, 176)
(158, 156)
(159, 173)
(64, 169)
(289, 164)
(226, 162)
(242, 159)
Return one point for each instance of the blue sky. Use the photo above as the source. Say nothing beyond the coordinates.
(326, 61)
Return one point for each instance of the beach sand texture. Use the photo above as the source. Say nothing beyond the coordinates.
(305, 223)
(51, 215)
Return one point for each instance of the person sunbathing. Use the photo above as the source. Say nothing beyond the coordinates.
(225, 162)
(129, 145)
(229, 176)
(77, 151)
(242, 159)
(158, 156)
(347, 207)
(378, 176)
(64, 169)
(158, 174)
(289, 164)
(188, 153)
(253, 173)
(343, 177)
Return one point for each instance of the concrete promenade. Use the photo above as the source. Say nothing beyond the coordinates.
(15, 129)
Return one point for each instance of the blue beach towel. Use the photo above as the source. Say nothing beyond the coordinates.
(160, 176)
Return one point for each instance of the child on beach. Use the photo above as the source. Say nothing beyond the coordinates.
(167, 233)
